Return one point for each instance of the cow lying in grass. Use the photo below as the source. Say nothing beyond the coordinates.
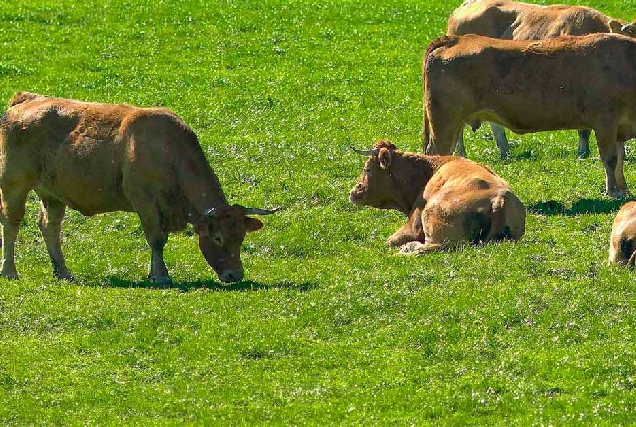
(622, 248)
(586, 82)
(503, 19)
(448, 200)
(102, 158)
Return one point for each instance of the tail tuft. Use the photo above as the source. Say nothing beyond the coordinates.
(632, 261)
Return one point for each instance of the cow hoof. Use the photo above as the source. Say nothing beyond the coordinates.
(13, 276)
(163, 282)
(411, 248)
(63, 276)
(417, 248)
(617, 194)
(583, 155)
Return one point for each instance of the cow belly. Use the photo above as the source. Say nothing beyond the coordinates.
(532, 121)
(87, 197)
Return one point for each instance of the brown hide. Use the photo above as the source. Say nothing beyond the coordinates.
(622, 248)
(586, 82)
(523, 21)
(448, 200)
(101, 158)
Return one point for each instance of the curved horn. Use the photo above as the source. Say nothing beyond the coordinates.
(258, 211)
(371, 152)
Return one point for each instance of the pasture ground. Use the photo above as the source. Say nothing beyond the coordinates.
(331, 326)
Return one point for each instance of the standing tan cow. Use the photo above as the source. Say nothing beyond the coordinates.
(586, 82)
(101, 158)
(503, 19)
(448, 200)
(622, 248)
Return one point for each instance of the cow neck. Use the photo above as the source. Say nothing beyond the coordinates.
(410, 173)
(201, 188)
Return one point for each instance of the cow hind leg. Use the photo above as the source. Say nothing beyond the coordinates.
(499, 133)
(446, 139)
(609, 153)
(11, 215)
(50, 224)
(460, 149)
(583, 151)
(618, 172)
(445, 132)
(157, 239)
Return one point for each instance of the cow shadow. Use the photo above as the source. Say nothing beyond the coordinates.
(212, 285)
(580, 207)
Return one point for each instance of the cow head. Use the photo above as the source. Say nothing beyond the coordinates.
(377, 186)
(221, 232)
(628, 29)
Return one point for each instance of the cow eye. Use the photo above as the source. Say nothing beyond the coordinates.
(367, 171)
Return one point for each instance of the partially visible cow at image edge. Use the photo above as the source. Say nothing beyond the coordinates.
(622, 249)
(503, 19)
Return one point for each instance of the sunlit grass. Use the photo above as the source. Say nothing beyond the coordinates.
(330, 326)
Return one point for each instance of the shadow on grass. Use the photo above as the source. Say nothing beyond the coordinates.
(580, 207)
(245, 286)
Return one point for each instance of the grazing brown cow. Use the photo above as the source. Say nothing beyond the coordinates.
(586, 82)
(101, 158)
(503, 19)
(448, 200)
(623, 238)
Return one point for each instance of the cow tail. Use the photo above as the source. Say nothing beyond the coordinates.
(632, 259)
(428, 134)
(426, 130)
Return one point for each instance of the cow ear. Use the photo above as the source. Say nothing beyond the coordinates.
(627, 29)
(253, 224)
(616, 26)
(384, 156)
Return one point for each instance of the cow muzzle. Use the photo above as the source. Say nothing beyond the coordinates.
(355, 195)
(231, 276)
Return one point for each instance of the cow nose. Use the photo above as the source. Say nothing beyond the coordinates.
(230, 276)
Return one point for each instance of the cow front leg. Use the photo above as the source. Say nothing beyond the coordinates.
(411, 231)
(618, 172)
(607, 147)
(419, 248)
(9, 236)
(156, 238)
(50, 224)
(158, 270)
(11, 215)
(583, 151)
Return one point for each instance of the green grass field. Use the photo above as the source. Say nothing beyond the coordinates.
(331, 327)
